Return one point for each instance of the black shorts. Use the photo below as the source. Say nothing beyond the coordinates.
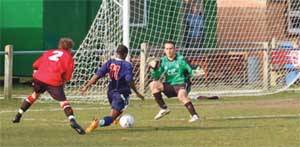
(56, 92)
(172, 90)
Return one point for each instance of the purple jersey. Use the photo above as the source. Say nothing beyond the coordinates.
(120, 74)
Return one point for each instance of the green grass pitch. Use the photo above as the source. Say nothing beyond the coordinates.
(264, 121)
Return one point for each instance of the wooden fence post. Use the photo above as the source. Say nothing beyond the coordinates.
(8, 70)
(143, 60)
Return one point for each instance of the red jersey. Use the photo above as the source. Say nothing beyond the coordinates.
(54, 67)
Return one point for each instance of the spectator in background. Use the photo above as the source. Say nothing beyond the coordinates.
(186, 11)
(293, 66)
(194, 24)
(187, 7)
(295, 55)
(296, 44)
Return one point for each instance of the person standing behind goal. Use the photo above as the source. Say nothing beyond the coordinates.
(51, 71)
(177, 72)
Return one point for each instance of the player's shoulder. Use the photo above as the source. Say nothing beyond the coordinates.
(119, 61)
(164, 58)
(180, 57)
(56, 51)
(127, 63)
(66, 54)
(49, 51)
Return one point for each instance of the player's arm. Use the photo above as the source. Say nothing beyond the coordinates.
(92, 81)
(187, 67)
(38, 62)
(129, 79)
(67, 76)
(133, 87)
(156, 70)
(192, 71)
(99, 73)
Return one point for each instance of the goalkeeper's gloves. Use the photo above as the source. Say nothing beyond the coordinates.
(153, 63)
(198, 72)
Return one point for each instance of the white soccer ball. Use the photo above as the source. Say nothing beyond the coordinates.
(126, 121)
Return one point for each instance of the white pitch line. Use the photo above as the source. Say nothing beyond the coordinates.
(254, 117)
(51, 110)
(204, 119)
(239, 117)
(174, 106)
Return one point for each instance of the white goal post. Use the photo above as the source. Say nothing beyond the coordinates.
(243, 46)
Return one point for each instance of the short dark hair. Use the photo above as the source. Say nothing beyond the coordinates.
(122, 50)
(170, 42)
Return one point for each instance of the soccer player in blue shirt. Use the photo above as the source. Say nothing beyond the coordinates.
(121, 80)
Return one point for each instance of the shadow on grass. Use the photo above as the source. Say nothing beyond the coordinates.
(169, 129)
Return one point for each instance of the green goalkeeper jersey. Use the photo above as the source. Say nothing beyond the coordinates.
(176, 71)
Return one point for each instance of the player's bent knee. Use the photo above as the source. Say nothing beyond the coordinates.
(182, 93)
(182, 96)
(184, 100)
(64, 104)
(155, 86)
(152, 85)
(119, 106)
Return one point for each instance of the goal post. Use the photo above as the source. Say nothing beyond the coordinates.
(241, 45)
(125, 23)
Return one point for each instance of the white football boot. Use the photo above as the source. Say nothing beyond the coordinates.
(161, 113)
(194, 118)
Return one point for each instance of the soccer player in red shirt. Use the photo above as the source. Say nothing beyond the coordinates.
(51, 71)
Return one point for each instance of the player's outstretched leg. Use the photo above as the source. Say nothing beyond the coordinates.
(192, 111)
(116, 113)
(163, 107)
(94, 124)
(105, 121)
(182, 96)
(156, 88)
(116, 121)
(24, 107)
(69, 113)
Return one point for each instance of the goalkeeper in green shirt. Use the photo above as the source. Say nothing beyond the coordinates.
(177, 73)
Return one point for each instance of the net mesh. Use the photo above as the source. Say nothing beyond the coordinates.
(244, 47)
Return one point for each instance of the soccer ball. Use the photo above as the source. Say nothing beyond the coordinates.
(126, 121)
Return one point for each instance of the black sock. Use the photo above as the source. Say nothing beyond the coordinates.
(69, 113)
(159, 100)
(190, 108)
(25, 106)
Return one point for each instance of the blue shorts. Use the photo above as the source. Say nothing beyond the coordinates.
(117, 100)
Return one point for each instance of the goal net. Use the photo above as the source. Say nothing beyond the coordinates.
(244, 47)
